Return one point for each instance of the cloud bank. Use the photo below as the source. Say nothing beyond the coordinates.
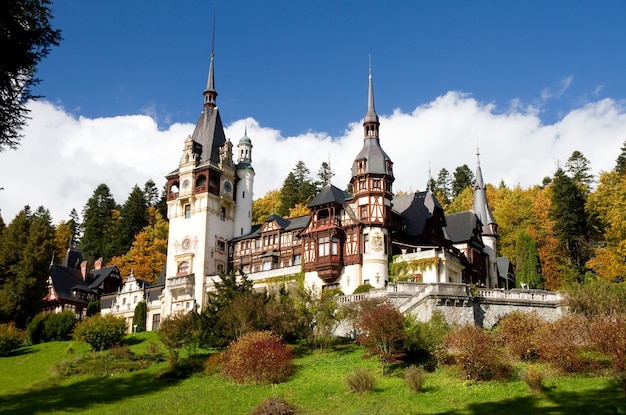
(62, 158)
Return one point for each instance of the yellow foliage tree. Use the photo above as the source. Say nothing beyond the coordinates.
(299, 210)
(62, 238)
(265, 206)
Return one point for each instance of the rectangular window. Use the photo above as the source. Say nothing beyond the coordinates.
(334, 247)
(156, 320)
(223, 214)
(363, 211)
(187, 211)
(361, 184)
(221, 245)
(323, 246)
(297, 259)
(376, 184)
(366, 243)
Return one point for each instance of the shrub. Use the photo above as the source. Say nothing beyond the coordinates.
(10, 338)
(382, 333)
(476, 354)
(518, 332)
(363, 288)
(414, 377)
(360, 381)
(59, 327)
(100, 332)
(35, 329)
(139, 318)
(178, 331)
(609, 334)
(93, 308)
(561, 342)
(424, 340)
(258, 357)
(533, 378)
(274, 406)
(213, 363)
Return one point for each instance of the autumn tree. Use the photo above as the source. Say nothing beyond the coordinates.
(527, 263)
(265, 206)
(381, 332)
(463, 178)
(298, 187)
(607, 204)
(146, 257)
(99, 224)
(26, 248)
(26, 37)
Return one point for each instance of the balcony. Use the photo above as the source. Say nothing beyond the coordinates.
(181, 284)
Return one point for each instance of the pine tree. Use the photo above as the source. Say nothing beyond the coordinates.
(578, 168)
(444, 189)
(151, 193)
(297, 188)
(325, 175)
(134, 217)
(99, 221)
(527, 263)
(620, 166)
(463, 178)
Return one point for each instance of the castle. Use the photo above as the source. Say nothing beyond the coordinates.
(347, 241)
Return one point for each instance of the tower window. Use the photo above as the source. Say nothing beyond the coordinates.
(363, 211)
(183, 268)
(223, 214)
(366, 243)
(221, 245)
(323, 246)
(187, 211)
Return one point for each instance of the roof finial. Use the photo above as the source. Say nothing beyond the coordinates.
(371, 116)
(210, 94)
(213, 32)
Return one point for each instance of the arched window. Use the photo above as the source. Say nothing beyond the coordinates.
(183, 268)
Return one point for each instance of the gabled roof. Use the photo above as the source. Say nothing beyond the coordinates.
(287, 225)
(504, 266)
(460, 227)
(282, 222)
(72, 259)
(65, 279)
(416, 209)
(99, 275)
(209, 133)
(329, 194)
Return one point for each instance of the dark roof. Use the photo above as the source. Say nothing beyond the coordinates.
(209, 133)
(287, 225)
(416, 209)
(73, 258)
(99, 275)
(161, 279)
(282, 222)
(106, 301)
(153, 293)
(65, 279)
(460, 226)
(504, 266)
(375, 156)
(298, 223)
(329, 194)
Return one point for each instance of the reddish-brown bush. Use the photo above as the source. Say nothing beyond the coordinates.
(382, 333)
(476, 354)
(518, 333)
(274, 406)
(213, 363)
(258, 357)
(561, 343)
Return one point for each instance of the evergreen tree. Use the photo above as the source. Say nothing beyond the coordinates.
(74, 223)
(570, 223)
(431, 184)
(325, 175)
(620, 166)
(26, 249)
(151, 193)
(139, 318)
(578, 168)
(444, 186)
(463, 178)
(297, 188)
(527, 263)
(99, 221)
(134, 217)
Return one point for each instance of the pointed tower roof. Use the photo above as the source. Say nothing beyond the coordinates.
(371, 115)
(480, 205)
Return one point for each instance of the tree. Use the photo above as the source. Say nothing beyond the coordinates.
(570, 224)
(620, 166)
(463, 178)
(139, 318)
(26, 37)
(527, 264)
(444, 186)
(26, 248)
(62, 239)
(151, 193)
(577, 167)
(382, 333)
(99, 221)
(297, 188)
(134, 217)
(265, 206)
(325, 175)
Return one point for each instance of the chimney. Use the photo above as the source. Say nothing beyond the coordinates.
(83, 270)
(98, 264)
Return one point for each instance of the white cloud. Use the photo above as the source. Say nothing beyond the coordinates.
(62, 158)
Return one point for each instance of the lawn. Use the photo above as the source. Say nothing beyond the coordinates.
(27, 386)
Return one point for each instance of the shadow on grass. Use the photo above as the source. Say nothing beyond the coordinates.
(21, 351)
(58, 394)
(132, 340)
(608, 400)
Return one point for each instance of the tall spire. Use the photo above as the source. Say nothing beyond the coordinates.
(210, 94)
(370, 123)
(480, 205)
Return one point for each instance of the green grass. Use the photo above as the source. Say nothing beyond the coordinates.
(28, 387)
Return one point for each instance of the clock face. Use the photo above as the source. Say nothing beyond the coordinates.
(186, 183)
(186, 244)
(228, 187)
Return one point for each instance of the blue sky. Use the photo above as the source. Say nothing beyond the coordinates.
(527, 81)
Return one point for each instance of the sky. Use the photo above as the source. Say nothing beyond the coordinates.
(525, 82)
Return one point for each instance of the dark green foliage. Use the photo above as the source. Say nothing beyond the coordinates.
(26, 248)
(139, 319)
(101, 332)
(577, 167)
(178, 331)
(25, 39)
(325, 175)
(297, 188)
(620, 163)
(463, 178)
(258, 357)
(93, 308)
(134, 217)
(571, 226)
(35, 329)
(527, 262)
(424, 340)
(99, 225)
(282, 317)
(360, 381)
(444, 185)
(363, 288)
(10, 338)
(58, 327)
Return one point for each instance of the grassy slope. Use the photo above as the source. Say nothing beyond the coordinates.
(26, 386)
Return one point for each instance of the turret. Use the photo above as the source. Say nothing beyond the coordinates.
(245, 184)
